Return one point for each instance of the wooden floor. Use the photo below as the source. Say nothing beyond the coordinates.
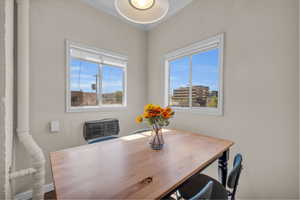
(50, 196)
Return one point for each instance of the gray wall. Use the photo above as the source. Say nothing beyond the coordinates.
(260, 79)
(2, 104)
(53, 21)
(6, 94)
(260, 84)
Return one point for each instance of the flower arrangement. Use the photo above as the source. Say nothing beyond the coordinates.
(156, 117)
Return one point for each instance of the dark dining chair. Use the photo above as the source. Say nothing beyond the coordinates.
(140, 131)
(203, 194)
(101, 139)
(190, 188)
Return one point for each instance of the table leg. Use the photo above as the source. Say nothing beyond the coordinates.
(223, 167)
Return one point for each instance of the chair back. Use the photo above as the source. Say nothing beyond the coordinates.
(234, 175)
(205, 193)
(140, 131)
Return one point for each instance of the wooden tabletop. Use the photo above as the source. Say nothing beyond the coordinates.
(126, 168)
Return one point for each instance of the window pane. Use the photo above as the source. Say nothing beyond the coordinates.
(179, 82)
(83, 82)
(112, 85)
(205, 79)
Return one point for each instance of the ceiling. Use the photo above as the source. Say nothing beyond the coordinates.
(107, 6)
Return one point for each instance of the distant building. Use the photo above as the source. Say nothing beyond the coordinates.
(112, 98)
(213, 93)
(80, 98)
(199, 96)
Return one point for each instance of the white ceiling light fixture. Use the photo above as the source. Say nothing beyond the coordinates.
(142, 4)
(142, 11)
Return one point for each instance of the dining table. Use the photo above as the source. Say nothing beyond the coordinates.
(127, 168)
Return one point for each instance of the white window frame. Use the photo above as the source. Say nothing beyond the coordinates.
(204, 45)
(102, 53)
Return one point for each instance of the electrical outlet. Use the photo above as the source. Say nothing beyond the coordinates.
(54, 126)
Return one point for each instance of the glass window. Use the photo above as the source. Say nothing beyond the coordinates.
(84, 79)
(179, 82)
(205, 79)
(194, 76)
(112, 85)
(95, 79)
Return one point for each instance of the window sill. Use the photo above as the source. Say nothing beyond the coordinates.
(111, 108)
(200, 111)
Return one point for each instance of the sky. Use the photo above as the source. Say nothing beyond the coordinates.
(84, 74)
(205, 70)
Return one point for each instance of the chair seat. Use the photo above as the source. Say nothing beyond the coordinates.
(193, 185)
(101, 139)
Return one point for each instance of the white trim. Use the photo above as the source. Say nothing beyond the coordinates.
(103, 108)
(221, 75)
(67, 93)
(104, 54)
(212, 42)
(190, 81)
(204, 45)
(27, 195)
(201, 111)
(95, 50)
(299, 86)
(167, 83)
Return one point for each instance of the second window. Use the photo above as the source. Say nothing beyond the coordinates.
(194, 77)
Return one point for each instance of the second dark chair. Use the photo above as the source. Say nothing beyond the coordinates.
(193, 185)
(205, 193)
(140, 131)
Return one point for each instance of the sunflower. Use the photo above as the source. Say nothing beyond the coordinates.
(139, 119)
(166, 115)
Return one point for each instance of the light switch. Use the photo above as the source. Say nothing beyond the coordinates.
(54, 126)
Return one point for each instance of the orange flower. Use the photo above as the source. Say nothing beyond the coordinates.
(148, 107)
(139, 119)
(146, 115)
(166, 115)
(155, 112)
(168, 109)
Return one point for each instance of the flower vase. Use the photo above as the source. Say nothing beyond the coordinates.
(157, 140)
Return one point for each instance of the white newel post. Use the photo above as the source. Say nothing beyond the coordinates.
(23, 130)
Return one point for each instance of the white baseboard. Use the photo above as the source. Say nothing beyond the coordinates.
(28, 194)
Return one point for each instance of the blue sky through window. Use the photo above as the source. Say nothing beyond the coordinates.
(179, 73)
(205, 70)
(112, 80)
(84, 73)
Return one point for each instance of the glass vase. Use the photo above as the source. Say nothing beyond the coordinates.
(157, 140)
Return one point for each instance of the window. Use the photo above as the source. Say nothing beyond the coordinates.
(194, 77)
(96, 79)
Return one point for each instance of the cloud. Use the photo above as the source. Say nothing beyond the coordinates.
(206, 68)
(75, 68)
(106, 84)
(82, 86)
(83, 76)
